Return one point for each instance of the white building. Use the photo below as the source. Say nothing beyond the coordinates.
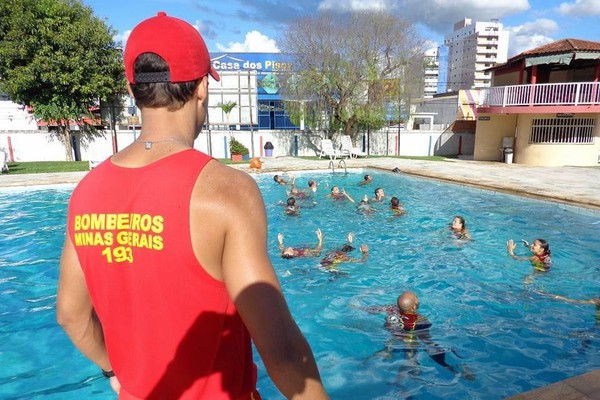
(474, 47)
(431, 73)
(14, 117)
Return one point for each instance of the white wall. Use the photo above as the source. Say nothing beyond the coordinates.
(40, 146)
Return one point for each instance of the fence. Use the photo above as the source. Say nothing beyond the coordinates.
(40, 146)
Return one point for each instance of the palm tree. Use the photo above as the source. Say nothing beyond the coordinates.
(226, 108)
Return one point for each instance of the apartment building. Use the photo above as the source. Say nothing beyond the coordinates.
(431, 69)
(473, 47)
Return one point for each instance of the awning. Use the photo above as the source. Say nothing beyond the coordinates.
(587, 55)
(564, 59)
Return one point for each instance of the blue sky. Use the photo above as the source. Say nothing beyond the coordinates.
(256, 25)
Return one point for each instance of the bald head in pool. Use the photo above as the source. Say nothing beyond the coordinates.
(408, 302)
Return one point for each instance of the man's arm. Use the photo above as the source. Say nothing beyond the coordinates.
(75, 313)
(280, 240)
(364, 249)
(253, 285)
(347, 195)
(317, 250)
(594, 301)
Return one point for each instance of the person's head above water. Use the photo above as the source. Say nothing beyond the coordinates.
(394, 202)
(291, 201)
(288, 252)
(540, 246)
(278, 179)
(458, 223)
(368, 178)
(408, 302)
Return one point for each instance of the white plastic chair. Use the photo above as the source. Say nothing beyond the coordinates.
(3, 161)
(327, 150)
(353, 151)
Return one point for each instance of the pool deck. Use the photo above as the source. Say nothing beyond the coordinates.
(577, 186)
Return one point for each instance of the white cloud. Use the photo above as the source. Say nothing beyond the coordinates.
(580, 8)
(440, 15)
(199, 25)
(255, 42)
(356, 5)
(122, 37)
(530, 35)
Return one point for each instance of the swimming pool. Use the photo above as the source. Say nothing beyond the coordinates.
(511, 338)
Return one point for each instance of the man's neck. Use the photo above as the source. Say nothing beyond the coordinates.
(160, 123)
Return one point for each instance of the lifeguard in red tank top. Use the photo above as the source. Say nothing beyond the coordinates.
(162, 313)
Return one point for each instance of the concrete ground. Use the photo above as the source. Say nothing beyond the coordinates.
(578, 186)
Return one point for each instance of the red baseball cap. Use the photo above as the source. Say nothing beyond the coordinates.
(177, 42)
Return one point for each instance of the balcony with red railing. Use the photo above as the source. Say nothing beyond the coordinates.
(539, 98)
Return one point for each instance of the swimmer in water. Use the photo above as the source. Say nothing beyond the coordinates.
(459, 228)
(293, 252)
(540, 259)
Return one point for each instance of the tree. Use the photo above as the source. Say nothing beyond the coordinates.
(227, 108)
(57, 57)
(341, 64)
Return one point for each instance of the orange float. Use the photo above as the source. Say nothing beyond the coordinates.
(255, 163)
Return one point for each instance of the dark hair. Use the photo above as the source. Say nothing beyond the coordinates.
(291, 201)
(462, 221)
(276, 178)
(288, 256)
(394, 201)
(544, 245)
(377, 190)
(160, 94)
(311, 182)
(347, 248)
(367, 177)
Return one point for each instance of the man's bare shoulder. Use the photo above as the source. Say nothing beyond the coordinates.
(227, 186)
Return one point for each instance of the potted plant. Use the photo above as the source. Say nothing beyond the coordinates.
(237, 150)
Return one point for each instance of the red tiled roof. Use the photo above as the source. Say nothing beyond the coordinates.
(562, 46)
(88, 121)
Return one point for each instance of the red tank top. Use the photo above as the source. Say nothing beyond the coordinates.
(171, 330)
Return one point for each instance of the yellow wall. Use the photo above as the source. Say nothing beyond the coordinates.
(489, 134)
(553, 154)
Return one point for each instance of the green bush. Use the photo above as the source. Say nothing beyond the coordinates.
(236, 147)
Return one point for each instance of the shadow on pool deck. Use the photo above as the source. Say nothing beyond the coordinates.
(578, 186)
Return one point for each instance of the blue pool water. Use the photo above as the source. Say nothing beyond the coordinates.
(511, 338)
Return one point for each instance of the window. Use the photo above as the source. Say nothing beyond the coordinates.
(563, 130)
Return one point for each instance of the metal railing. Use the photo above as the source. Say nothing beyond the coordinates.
(545, 94)
(341, 164)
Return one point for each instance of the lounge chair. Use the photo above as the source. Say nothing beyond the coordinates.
(3, 163)
(353, 151)
(94, 161)
(327, 150)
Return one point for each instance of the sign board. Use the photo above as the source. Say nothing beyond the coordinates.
(483, 118)
(564, 115)
(135, 120)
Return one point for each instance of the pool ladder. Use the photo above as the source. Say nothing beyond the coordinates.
(341, 163)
